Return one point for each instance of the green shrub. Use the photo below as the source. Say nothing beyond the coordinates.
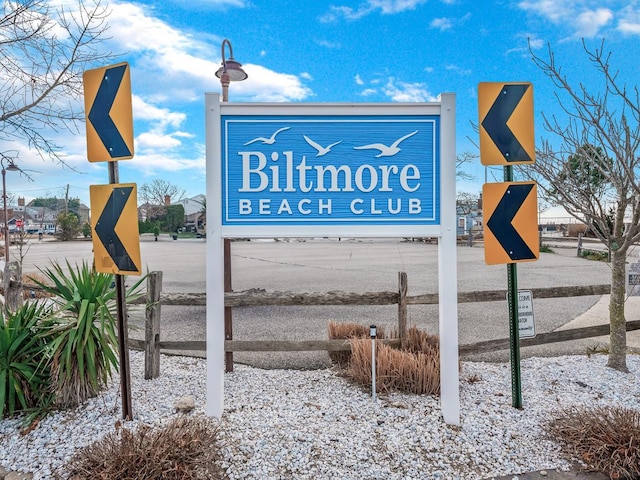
(86, 230)
(594, 255)
(24, 375)
(82, 331)
(68, 226)
(545, 249)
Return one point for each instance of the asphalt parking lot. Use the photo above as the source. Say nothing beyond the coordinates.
(353, 265)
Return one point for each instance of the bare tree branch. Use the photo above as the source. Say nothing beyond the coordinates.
(45, 50)
(594, 170)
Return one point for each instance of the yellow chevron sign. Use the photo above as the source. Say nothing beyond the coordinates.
(116, 243)
(506, 123)
(510, 222)
(108, 111)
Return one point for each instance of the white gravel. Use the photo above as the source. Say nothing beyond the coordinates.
(316, 425)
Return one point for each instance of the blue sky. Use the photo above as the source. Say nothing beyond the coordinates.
(328, 51)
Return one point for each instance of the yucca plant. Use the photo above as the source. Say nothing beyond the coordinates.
(83, 337)
(24, 373)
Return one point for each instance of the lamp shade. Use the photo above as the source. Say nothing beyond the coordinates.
(233, 69)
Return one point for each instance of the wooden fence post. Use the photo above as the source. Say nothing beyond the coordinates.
(579, 245)
(152, 326)
(402, 307)
(12, 293)
(228, 316)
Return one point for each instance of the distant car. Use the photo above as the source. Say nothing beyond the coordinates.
(50, 231)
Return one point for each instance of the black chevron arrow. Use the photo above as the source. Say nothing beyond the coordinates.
(500, 222)
(101, 108)
(105, 229)
(495, 123)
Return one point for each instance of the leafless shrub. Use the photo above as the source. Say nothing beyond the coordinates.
(343, 331)
(185, 449)
(605, 439)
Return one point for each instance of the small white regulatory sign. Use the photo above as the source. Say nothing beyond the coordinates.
(525, 314)
(633, 279)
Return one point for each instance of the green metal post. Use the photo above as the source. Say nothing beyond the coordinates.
(514, 327)
(514, 335)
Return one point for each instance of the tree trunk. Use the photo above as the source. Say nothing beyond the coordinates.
(618, 336)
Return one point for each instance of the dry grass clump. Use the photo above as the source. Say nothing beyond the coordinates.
(419, 341)
(36, 291)
(605, 439)
(184, 449)
(413, 369)
(347, 331)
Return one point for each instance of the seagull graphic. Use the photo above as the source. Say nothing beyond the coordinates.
(321, 150)
(268, 141)
(386, 151)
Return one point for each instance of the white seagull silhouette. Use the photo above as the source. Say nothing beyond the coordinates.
(386, 151)
(321, 150)
(268, 141)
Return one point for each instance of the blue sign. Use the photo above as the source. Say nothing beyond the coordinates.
(330, 169)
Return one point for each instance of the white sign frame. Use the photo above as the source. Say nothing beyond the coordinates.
(445, 232)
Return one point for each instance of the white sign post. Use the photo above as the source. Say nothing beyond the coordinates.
(356, 170)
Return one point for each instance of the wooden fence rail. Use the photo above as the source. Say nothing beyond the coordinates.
(260, 297)
(152, 345)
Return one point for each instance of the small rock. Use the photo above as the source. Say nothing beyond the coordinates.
(185, 404)
(543, 473)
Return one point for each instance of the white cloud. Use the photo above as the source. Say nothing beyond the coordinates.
(264, 85)
(157, 141)
(536, 43)
(554, 10)
(407, 92)
(629, 28)
(358, 79)
(589, 23)
(212, 3)
(153, 163)
(180, 66)
(441, 24)
(385, 7)
(367, 92)
(629, 23)
(448, 23)
(457, 69)
(143, 110)
(395, 6)
(527, 39)
(328, 44)
(586, 18)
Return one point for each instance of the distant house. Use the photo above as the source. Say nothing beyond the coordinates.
(194, 217)
(35, 216)
(194, 207)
